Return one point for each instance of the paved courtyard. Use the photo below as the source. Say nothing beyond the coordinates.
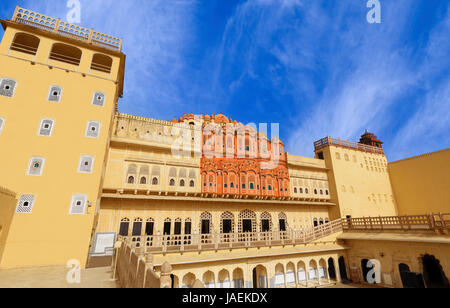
(55, 277)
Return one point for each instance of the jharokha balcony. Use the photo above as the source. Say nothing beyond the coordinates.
(228, 241)
(435, 223)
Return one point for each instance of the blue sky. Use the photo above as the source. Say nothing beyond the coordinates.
(316, 67)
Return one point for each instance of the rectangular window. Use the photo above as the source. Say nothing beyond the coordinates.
(265, 225)
(78, 205)
(227, 225)
(167, 226)
(46, 127)
(124, 226)
(93, 129)
(36, 166)
(25, 204)
(55, 93)
(149, 226)
(86, 164)
(99, 99)
(7, 87)
(187, 227)
(137, 228)
(177, 226)
(205, 226)
(282, 225)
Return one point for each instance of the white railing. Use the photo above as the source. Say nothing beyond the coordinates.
(224, 241)
(346, 144)
(412, 222)
(66, 29)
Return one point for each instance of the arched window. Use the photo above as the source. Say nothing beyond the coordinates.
(25, 43)
(143, 180)
(315, 191)
(172, 182)
(124, 226)
(130, 180)
(182, 183)
(295, 190)
(66, 53)
(270, 187)
(101, 63)
(315, 222)
(155, 181)
(191, 184)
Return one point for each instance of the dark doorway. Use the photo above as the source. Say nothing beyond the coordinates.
(410, 280)
(366, 270)
(265, 225)
(124, 226)
(343, 270)
(187, 232)
(187, 227)
(282, 225)
(177, 230)
(149, 226)
(433, 274)
(172, 277)
(331, 269)
(167, 226)
(137, 228)
(226, 226)
(255, 279)
(247, 226)
(205, 226)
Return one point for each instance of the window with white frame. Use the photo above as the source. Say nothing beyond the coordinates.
(7, 87)
(55, 93)
(86, 164)
(36, 166)
(99, 99)
(2, 123)
(93, 129)
(46, 127)
(78, 204)
(25, 204)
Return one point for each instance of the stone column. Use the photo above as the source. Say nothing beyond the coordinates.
(166, 281)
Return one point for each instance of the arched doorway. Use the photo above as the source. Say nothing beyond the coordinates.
(331, 269)
(343, 270)
(259, 277)
(433, 273)
(365, 269)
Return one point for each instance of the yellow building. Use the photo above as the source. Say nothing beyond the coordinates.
(80, 175)
(59, 87)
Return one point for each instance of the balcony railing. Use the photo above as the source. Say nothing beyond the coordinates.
(414, 222)
(66, 29)
(328, 141)
(225, 241)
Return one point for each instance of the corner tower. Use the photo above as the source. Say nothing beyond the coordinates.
(358, 176)
(59, 88)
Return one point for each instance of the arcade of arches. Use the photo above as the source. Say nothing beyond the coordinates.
(279, 272)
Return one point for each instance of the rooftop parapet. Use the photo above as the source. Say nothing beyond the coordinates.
(329, 141)
(66, 29)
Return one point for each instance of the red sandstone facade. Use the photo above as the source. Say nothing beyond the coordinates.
(237, 160)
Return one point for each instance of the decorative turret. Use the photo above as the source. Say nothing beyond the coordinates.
(371, 139)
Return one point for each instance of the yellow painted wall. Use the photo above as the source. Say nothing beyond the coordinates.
(422, 184)
(8, 203)
(308, 178)
(49, 235)
(359, 183)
